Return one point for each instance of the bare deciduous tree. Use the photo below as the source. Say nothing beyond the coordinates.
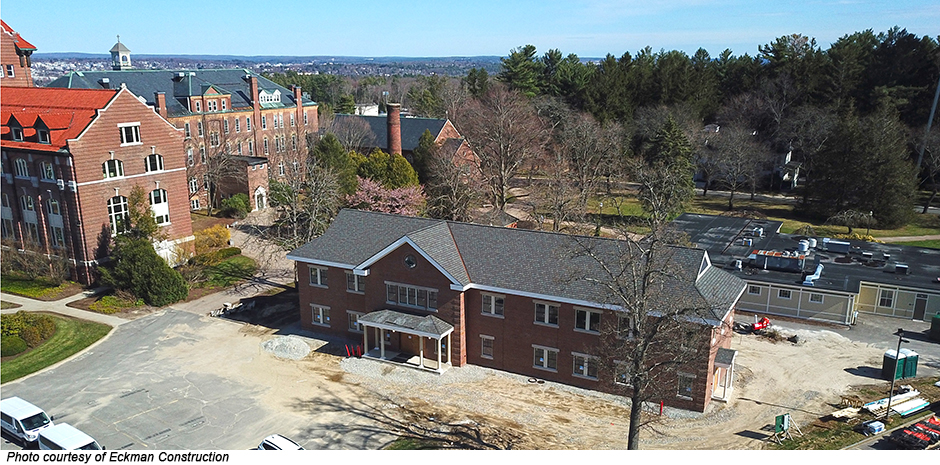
(504, 132)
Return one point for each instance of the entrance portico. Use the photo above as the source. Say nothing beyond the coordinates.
(723, 381)
(414, 333)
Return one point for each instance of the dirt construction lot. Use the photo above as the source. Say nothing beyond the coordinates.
(476, 407)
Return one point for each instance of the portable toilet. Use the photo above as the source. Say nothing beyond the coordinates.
(910, 363)
(892, 366)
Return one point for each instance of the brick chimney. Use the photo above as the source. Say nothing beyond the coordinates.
(256, 113)
(394, 128)
(160, 99)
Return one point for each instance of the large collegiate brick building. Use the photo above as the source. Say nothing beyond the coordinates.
(233, 112)
(71, 157)
(15, 58)
(438, 294)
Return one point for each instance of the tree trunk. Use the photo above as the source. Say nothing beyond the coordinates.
(731, 201)
(927, 204)
(636, 412)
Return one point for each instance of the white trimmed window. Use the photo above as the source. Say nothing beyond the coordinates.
(816, 298)
(411, 296)
(193, 185)
(320, 315)
(46, 171)
(112, 169)
(486, 344)
(587, 320)
(160, 206)
(187, 131)
(154, 162)
(224, 103)
(886, 299)
(194, 204)
(130, 133)
(238, 125)
(225, 125)
(684, 389)
(248, 123)
(264, 122)
(10, 71)
(198, 105)
(305, 118)
(199, 129)
(280, 169)
(190, 160)
(353, 321)
(624, 327)
(16, 132)
(291, 120)
(545, 358)
(622, 374)
(117, 214)
(753, 290)
(355, 283)
(783, 294)
(22, 168)
(493, 305)
(202, 155)
(546, 313)
(318, 276)
(43, 136)
(214, 139)
(212, 105)
(266, 146)
(584, 366)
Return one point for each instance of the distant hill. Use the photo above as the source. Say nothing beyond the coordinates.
(270, 58)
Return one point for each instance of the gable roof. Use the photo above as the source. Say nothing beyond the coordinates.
(177, 85)
(411, 129)
(65, 112)
(18, 41)
(523, 262)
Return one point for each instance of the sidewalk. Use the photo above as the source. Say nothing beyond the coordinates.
(60, 307)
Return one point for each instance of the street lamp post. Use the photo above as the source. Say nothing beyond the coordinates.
(899, 334)
(868, 231)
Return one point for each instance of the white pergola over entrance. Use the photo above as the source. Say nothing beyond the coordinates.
(426, 326)
(723, 383)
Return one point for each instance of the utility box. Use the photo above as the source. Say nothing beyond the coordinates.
(910, 363)
(892, 366)
(935, 328)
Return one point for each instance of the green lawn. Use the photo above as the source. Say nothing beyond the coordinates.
(231, 271)
(928, 244)
(71, 336)
(38, 288)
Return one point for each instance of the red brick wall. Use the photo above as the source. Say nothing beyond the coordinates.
(92, 149)
(22, 75)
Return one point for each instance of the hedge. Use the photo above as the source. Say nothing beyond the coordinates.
(12, 345)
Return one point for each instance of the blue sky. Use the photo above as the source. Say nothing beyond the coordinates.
(589, 28)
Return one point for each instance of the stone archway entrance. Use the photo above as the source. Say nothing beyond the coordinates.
(261, 199)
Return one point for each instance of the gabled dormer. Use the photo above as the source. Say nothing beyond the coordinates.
(43, 134)
(215, 99)
(269, 97)
(16, 129)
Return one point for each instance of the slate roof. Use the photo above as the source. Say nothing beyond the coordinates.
(842, 272)
(66, 113)
(176, 88)
(251, 160)
(725, 357)
(525, 262)
(411, 129)
(427, 324)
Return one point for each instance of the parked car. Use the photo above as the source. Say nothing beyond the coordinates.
(278, 442)
(22, 419)
(64, 436)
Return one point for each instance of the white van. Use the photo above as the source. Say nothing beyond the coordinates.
(22, 419)
(66, 437)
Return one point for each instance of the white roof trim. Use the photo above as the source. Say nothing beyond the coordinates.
(394, 245)
(406, 330)
(311, 261)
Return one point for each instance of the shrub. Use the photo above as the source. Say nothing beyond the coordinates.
(31, 327)
(211, 239)
(228, 252)
(31, 335)
(136, 268)
(236, 206)
(12, 345)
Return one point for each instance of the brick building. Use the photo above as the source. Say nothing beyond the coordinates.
(15, 58)
(70, 159)
(436, 294)
(234, 117)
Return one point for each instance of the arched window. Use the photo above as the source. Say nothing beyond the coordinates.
(22, 168)
(53, 207)
(26, 203)
(154, 162)
(47, 171)
(117, 214)
(112, 169)
(160, 206)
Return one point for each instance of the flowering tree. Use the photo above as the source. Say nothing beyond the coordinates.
(408, 201)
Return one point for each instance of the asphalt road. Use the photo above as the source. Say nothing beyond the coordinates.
(126, 398)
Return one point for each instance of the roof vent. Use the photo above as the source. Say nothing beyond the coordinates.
(105, 82)
(900, 268)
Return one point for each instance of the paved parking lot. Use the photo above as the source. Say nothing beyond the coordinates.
(168, 381)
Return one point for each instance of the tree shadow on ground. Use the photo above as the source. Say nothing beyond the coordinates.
(380, 421)
(759, 402)
(865, 371)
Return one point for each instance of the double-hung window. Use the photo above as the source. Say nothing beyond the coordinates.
(684, 389)
(411, 296)
(352, 320)
(584, 366)
(545, 358)
(493, 304)
(486, 344)
(318, 276)
(112, 169)
(783, 294)
(130, 133)
(587, 320)
(154, 162)
(355, 283)
(546, 313)
(320, 315)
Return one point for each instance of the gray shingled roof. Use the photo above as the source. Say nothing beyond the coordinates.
(427, 324)
(411, 129)
(524, 261)
(144, 83)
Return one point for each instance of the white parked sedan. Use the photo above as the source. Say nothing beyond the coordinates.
(278, 442)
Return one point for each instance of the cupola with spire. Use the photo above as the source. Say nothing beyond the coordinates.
(120, 56)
